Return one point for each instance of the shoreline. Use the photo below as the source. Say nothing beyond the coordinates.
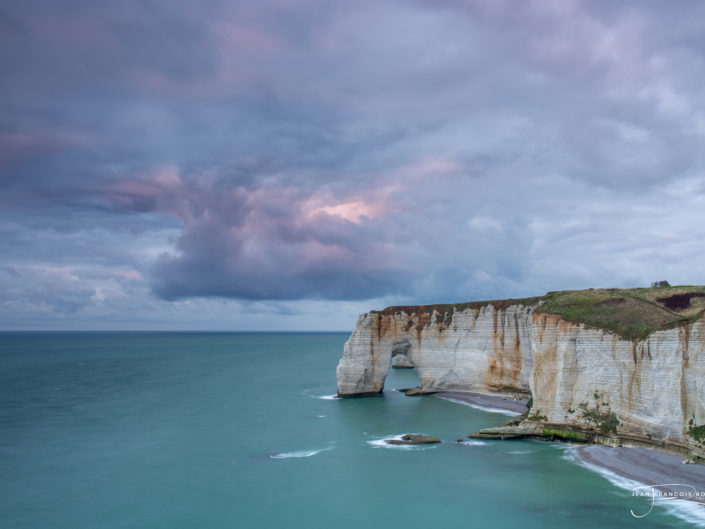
(633, 466)
(492, 403)
(646, 466)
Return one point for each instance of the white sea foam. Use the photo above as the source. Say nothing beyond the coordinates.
(382, 443)
(300, 453)
(312, 393)
(473, 442)
(689, 511)
(483, 408)
(617, 480)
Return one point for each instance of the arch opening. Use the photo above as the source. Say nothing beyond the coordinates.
(403, 374)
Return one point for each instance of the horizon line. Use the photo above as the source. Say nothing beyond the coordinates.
(265, 331)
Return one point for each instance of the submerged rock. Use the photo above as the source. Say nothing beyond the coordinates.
(413, 439)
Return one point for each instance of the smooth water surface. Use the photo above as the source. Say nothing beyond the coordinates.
(199, 430)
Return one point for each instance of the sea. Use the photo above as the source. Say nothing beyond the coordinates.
(243, 430)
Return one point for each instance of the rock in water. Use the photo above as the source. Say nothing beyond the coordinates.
(413, 439)
(415, 392)
(401, 361)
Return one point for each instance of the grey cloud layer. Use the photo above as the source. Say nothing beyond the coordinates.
(425, 151)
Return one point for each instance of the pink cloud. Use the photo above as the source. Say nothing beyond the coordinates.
(351, 211)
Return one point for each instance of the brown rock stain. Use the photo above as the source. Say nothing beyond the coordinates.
(636, 375)
(563, 326)
(540, 322)
(382, 324)
(545, 372)
(504, 364)
(422, 319)
(684, 338)
(634, 352)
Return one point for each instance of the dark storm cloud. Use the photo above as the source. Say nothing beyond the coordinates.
(425, 151)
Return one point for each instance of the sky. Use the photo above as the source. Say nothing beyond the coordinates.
(290, 164)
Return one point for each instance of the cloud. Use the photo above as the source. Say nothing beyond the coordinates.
(406, 151)
(26, 290)
(263, 244)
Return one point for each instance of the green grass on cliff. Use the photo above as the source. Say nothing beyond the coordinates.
(449, 308)
(697, 432)
(632, 313)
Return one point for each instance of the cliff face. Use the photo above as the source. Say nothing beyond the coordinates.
(480, 348)
(581, 378)
(651, 390)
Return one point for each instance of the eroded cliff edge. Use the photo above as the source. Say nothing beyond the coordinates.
(468, 347)
(626, 369)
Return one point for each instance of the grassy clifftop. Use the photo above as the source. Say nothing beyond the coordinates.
(632, 313)
(449, 308)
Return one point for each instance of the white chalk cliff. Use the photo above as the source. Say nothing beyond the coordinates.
(482, 349)
(581, 379)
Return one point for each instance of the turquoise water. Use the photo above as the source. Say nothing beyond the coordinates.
(170, 430)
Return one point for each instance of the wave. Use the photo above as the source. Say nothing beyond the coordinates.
(614, 478)
(688, 511)
(473, 442)
(312, 393)
(300, 453)
(510, 413)
(382, 443)
(483, 408)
